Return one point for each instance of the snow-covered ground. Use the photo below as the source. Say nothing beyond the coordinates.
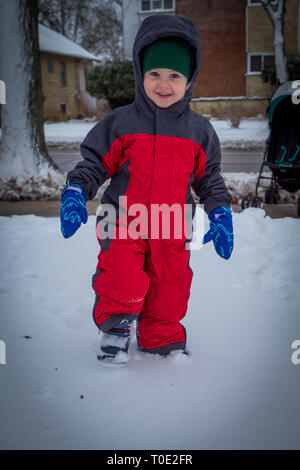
(73, 131)
(250, 132)
(241, 184)
(239, 388)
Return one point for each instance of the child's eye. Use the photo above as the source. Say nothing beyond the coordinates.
(154, 74)
(174, 75)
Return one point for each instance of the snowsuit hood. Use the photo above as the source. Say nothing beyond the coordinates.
(156, 27)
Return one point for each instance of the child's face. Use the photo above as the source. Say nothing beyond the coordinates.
(164, 86)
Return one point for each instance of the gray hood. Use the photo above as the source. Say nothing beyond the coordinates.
(151, 29)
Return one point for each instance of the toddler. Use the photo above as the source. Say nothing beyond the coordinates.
(154, 150)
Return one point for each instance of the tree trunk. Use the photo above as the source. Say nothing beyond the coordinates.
(23, 152)
(277, 20)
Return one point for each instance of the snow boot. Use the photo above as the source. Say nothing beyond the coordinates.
(114, 345)
(177, 353)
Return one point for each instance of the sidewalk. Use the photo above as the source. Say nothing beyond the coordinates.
(52, 208)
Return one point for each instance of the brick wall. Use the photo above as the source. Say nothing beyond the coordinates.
(261, 39)
(260, 29)
(221, 26)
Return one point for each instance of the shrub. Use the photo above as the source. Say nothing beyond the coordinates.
(293, 67)
(113, 81)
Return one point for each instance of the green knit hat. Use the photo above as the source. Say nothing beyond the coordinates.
(167, 54)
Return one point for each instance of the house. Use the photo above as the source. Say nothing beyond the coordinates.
(64, 65)
(237, 40)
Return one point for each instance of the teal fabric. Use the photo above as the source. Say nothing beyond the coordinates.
(273, 106)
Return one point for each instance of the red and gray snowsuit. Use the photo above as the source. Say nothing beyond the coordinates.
(153, 156)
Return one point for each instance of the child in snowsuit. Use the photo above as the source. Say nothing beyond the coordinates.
(154, 150)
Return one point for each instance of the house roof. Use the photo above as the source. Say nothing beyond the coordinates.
(51, 41)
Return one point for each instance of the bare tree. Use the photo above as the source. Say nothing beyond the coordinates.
(276, 16)
(105, 30)
(94, 24)
(24, 161)
(64, 16)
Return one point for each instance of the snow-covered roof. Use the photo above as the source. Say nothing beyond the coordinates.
(51, 41)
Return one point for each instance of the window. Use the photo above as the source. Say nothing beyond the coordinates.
(257, 62)
(50, 66)
(63, 107)
(62, 74)
(252, 3)
(154, 5)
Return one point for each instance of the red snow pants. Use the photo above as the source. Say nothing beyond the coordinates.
(148, 280)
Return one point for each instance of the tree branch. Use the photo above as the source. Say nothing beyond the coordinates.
(268, 8)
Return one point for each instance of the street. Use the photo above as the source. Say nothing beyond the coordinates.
(233, 160)
(239, 160)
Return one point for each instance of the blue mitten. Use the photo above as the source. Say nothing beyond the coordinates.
(221, 231)
(73, 210)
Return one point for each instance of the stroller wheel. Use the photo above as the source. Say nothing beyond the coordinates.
(245, 202)
(252, 201)
(272, 196)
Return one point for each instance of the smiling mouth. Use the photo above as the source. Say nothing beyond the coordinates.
(164, 95)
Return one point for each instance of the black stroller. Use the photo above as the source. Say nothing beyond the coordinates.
(282, 152)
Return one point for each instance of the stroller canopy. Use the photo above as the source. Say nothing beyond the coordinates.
(283, 91)
(283, 148)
